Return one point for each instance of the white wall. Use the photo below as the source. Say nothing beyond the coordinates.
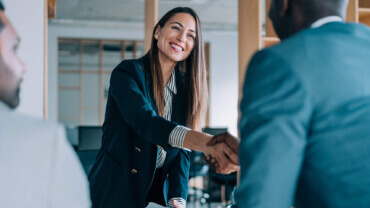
(27, 18)
(223, 79)
(223, 65)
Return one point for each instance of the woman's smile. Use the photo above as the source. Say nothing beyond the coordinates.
(176, 47)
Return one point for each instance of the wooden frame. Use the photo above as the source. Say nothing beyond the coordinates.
(151, 16)
(250, 32)
(352, 11)
(364, 12)
(207, 52)
(51, 8)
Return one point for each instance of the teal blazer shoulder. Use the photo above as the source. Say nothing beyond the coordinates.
(305, 134)
(124, 173)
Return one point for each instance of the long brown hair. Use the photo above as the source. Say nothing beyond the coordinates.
(194, 67)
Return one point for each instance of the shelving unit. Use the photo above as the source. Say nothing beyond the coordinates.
(364, 15)
(364, 12)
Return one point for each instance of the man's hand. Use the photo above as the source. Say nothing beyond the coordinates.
(223, 159)
(226, 157)
(230, 149)
(228, 139)
(211, 162)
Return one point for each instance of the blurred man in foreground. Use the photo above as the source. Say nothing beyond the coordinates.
(305, 136)
(38, 166)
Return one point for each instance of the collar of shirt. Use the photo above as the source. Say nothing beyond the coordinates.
(171, 84)
(322, 21)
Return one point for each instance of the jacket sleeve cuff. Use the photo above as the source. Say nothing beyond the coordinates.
(180, 200)
(177, 137)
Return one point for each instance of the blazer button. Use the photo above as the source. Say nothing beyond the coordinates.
(137, 149)
(133, 171)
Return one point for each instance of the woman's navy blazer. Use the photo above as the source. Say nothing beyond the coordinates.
(124, 173)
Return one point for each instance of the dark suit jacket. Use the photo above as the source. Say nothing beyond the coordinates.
(305, 124)
(123, 174)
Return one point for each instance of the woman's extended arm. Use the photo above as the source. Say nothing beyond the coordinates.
(138, 113)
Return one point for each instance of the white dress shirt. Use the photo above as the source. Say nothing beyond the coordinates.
(322, 21)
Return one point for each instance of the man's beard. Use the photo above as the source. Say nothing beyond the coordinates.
(15, 98)
(10, 93)
(12, 99)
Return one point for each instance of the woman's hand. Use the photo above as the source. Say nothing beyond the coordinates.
(176, 204)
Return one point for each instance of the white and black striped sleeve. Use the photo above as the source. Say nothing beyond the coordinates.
(177, 136)
(181, 201)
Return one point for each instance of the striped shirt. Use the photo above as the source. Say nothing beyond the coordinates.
(177, 135)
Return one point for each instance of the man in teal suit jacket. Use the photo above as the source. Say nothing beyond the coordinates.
(305, 124)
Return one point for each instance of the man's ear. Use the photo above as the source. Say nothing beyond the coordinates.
(157, 32)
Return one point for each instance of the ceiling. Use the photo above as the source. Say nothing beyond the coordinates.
(215, 14)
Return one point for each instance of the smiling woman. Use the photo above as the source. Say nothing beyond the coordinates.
(153, 103)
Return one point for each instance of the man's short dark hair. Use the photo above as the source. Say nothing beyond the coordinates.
(317, 8)
(2, 25)
(1, 6)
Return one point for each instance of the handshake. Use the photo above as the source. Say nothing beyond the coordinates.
(222, 153)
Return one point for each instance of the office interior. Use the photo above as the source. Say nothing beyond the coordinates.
(69, 65)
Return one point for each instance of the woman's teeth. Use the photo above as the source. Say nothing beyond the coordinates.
(176, 47)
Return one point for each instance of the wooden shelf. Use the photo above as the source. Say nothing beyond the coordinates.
(364, 3)
(364, 16)
(270, 41)
(364, 11)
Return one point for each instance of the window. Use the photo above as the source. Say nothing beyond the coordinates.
(84, 69)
